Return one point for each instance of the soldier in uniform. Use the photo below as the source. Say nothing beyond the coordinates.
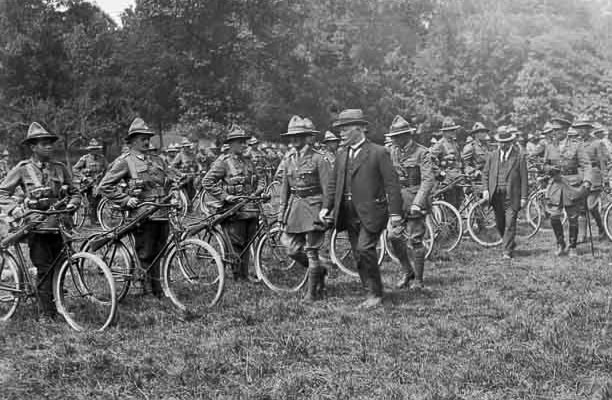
(598, 156)
(416, 172)
(331, 142)
(447, 157)
(186, 163)
(568, 164)
(148, 180)
(233, 175)
(474, 153)
(89, 169)
(303, 187)
(4, 165)
(44, 182)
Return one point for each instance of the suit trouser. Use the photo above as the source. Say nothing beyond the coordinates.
(505, 218)
(45, 253)
(239, 232)
(363, 244)
(150, 237)
(94, 200)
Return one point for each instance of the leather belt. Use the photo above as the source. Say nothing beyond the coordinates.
(306, 192)
(569, 171)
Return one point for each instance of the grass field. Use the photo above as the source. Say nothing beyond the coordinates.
(536, 327)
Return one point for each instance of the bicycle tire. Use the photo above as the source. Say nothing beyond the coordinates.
(78, 218)
(447, 226)
(120, 259)
(528, 222)
(342, 257)
(10, 285)
(481, 224)
(278, 272)
(202, 203)
(607, 215)
(73, 287)
(109, 216)
(184, 282)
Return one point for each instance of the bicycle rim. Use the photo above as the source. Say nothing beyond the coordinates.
(447, 226)
(10, 285)
(85, 293)
(481, 224)
(192, 276)
(120, 261)
(341, 254)
(274, 267)
(109, 216)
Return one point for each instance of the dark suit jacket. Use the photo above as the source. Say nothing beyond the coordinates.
(516, 178)
(375, 187)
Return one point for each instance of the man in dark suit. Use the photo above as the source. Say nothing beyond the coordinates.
(363, 193)
(504, 178)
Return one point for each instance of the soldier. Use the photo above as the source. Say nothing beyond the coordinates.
(474, 152)
(598, 156)
(230, 176)
(148, 180)
(303, 187)
(570, 169)
(44, 182)
(388, 144)
(4, 165)
(185, 162)
(89, 169)
(416, 172)
(447, 157)
(331, 142)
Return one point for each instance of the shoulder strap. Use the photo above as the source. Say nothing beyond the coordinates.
(33, 176)
(131, 167)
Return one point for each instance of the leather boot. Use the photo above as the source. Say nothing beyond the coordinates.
(600, 226)
(45, 295)
(573, 233)
(557, 228)
(419, 267)
(313, 282)
(404, 255)
(321, 289)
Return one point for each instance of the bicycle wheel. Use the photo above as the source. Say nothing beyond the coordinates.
(481, 224)
(84, 291)
(109, 215)
(428, 240)
(201, 201)
(528, 222)
(183, 200)
(192, 275)
(342, 256)
(120, 259)
(218, 241)
(607, 215)
(10, 285)
(78, 218)
(279, 272)
(447, 226)
(271, 208)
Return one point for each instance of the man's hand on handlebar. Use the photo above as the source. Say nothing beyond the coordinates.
(132, 202)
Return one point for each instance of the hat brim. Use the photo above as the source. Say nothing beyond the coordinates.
(481, 130)
(563, 122)
(300, 132)
(30, 140)
(581, 125)
(237, 138)
(133, 134)
(353, 121)
(94, 148)
(504, 140)
(451, 128)
(401, 132)
(331, 140)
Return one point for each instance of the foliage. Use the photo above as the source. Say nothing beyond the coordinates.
(183, 64)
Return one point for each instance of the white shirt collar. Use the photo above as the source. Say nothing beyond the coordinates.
(358, 145)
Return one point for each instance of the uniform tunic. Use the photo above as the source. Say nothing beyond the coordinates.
(570, 158)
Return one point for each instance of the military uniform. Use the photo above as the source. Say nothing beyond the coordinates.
(570, 166)
(43, 183)
(303, 187)
(447, 157)
(4, 168)
(148, 179)
(188, 165)
(233, 174)
(417, 176)
(474, 155)
(89, 169)
(598, 156)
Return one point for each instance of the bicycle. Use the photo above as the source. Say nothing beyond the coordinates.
(191, 270)
(272, 264)
(83, 287)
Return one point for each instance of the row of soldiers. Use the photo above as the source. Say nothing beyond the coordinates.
(306, 193)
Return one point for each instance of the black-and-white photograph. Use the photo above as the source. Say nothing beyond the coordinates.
(323, 199)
